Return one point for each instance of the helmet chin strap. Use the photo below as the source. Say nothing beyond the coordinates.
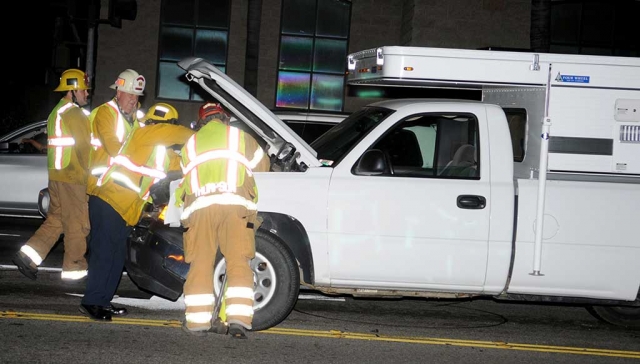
(73, 97)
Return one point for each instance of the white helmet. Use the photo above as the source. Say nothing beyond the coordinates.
(131, 82)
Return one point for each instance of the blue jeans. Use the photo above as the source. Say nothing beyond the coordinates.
(107, 252)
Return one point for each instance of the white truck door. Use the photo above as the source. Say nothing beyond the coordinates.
(424, 222)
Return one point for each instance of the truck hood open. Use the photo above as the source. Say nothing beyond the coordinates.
(247, 108)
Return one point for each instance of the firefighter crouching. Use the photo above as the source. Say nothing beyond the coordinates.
(220, 196)
(67, 155)
(118, 201)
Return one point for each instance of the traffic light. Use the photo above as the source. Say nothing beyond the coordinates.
(122, 9)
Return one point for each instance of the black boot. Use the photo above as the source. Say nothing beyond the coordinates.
(25, 266)
(219, 327)
(94, 312)
(117, 311)
(199, 333)
(237, 331)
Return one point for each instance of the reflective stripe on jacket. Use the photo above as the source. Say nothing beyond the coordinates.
(68, 143)
(60, 140)
(143, 160)
(109, 129)
(137, 177)
(217, 169)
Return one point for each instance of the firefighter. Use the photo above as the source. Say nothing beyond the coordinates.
(219, 195)
(67, 157)
(118, 201)
(110, 124)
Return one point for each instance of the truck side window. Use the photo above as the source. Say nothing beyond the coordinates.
(433, 145)
(517, 119)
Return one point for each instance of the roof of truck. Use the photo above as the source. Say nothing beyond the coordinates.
(398, 103)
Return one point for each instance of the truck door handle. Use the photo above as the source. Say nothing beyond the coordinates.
(471, 202)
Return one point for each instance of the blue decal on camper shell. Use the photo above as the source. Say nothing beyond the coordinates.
(572, 78)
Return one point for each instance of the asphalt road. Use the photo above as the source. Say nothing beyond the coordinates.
(40, 323)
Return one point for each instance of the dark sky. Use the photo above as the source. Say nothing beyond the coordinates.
(27, 39)
(27, 43)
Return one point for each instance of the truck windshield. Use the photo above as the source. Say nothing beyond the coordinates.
(339, 140)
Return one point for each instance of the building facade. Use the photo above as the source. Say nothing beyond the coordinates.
(291, 54)
(142, 44)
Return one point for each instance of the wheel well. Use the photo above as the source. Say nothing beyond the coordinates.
(292, 233)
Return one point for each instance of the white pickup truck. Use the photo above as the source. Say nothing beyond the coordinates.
(444, 198)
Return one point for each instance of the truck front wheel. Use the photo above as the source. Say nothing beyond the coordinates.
(617, 315)
(277, 280)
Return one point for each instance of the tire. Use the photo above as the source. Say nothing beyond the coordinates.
(617, 315)
(277, 281)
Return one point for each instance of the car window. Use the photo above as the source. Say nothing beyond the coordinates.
(309, 131)
(432, 145)
(313, 131)
(36, 132)
(296, 126)
(517, 120)
(333, 145)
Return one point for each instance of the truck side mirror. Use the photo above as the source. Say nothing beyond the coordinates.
(372, 163)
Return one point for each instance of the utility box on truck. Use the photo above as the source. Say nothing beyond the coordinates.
(592, 102)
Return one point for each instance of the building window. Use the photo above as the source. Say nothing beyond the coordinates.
(313, 49)
(596, 27)
(198, 28)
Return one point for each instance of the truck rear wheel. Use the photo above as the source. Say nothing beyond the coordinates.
(277, 281)
(617, 315)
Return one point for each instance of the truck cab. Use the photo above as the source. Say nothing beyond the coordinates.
(401, 168)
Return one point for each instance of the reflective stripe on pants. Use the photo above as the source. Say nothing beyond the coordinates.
(68, 214)
(224, 226)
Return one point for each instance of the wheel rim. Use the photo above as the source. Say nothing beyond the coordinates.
(264, 280)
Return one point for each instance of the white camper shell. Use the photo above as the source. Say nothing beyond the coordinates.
(592, 102)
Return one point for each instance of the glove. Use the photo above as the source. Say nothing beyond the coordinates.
(159, 191)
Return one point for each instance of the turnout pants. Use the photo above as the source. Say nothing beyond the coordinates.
(230, 227)
(107, 252)
(68, 214)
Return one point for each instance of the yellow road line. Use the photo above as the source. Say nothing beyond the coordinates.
(333, 334)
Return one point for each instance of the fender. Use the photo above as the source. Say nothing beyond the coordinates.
(291, 231)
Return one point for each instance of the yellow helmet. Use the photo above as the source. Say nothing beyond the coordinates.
(161, 113)
(73, 79)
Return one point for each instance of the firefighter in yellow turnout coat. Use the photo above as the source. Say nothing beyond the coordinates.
(220, 197)
(118, 200)
(112, 122)
(67, 155)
